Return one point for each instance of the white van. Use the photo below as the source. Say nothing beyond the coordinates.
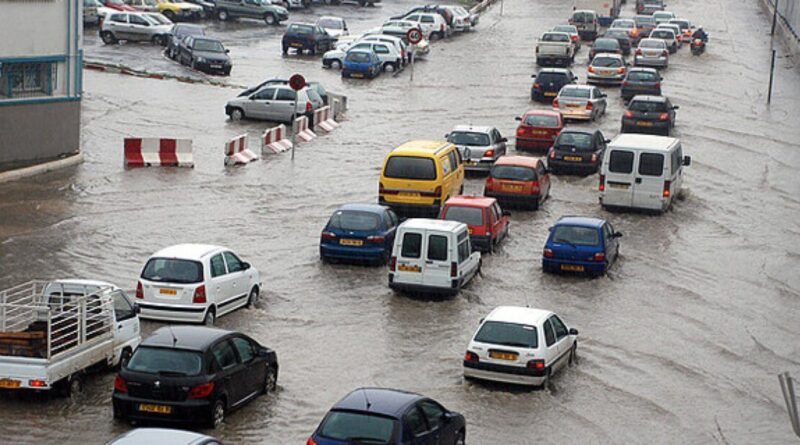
(642, 172)
(433, 256)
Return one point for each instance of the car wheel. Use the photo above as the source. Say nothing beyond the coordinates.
(270, 19)
(460, 440)
(271, 381)
(124, 356)
(210, 317)
(389, 67)
(108, 37)
(72, 386)
(336, 64)
(546, 382)
(237, 114)
(253, 298)
(491, 245)
(222, 14)
(170, 15)
(573, 354)
(159, 40)
(217, 414)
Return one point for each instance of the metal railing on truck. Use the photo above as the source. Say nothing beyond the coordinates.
(42, 319)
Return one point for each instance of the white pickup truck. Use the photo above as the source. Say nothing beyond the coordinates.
(555, 48)
(51, 333)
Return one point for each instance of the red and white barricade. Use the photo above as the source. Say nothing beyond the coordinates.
(236, 151)
(147, 152)
(274, 140)
(323, 118)
(301, 129)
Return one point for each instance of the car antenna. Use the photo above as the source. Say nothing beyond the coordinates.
(174, 338)
(366, 399)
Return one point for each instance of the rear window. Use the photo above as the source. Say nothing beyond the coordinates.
(468, 138)
(170, 270)
(606, 44)
(538, 120)
(620, 161)
(300, 29)
(581, 141)
(410, 167)
(643, 105)
(582, 93)
(412, 245)
(552, 77)
(651, 164)
(662, 34)
(437, 248)
(583, 236)
(354, 221)
(642, 76)
(348, 426)
(582, 17)
(555, 37)
(513, 173)
(652, 44)
(165, 361)
(508, 334)
(471, 216)
(606, 62)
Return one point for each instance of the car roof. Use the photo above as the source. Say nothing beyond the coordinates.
(644, 69)
(579, 130)
(609, 56)
(195, 338)
(417, 147)
(587, 221)
(385, 401)
(646, 98)
(470, 201)
(579, 86)
(526, 161)
(542, 113)
(518, 315)
(642, 141)
(369, 208)
(553, 71)
(432, 224)
(187, 251)
(474, 128)
(159, 436)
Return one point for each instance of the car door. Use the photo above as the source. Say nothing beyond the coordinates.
(118, 25)
(442, 432)
(416, 428)
(619, 177)
(219, 287)
(610, 243)
(563, 341)
(544, 180)
(410, 263)
(125, 316)
(437, 260)
(232, 373)
(138, 27)
(255, 372)
(649, 182)
(383, 53)
(498, 143)
(260, 104)
(498, 222)
(283, 108)
(239, 282)
(599, 145)
(391, 221)
(551, 347)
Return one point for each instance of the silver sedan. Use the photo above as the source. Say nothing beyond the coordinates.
(580, 102)
(480, 146)
(607, 69)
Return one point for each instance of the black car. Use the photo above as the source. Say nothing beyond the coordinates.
(307, 37)
(604, 45)
(179, 31)
(577, 150)
(623, 38)
(645, 81)
(649, 114)
(549, 82)
(204, 54)
(192, 374)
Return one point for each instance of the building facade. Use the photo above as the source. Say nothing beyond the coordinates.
(41, 71)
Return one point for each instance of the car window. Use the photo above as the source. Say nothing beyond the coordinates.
(538, 120)
(494, 213)
(245, 349)
(677, 160)
(410, 167)
(381, 49)
(582, 93)
(464, 249)
(427, 19)
(217, 266)
(119, 18)
(549, 335)
(608, 231)
(642, 76)
(392, 218)
(344, 425)
(559, 327)
(437, 248)
(472, 216)
(154, 360)
(645, 105)
(224, 354)
(265, 94)
(413, 18)
(415, 422)
(352, 220)
(580, 141)
(508, 334)
(651, 164)
(607, 62)
(287, 95)
(453, 159)
(513, 173)
(620, 161)
(123, 309)
(170, 270)
(136, 20)
(575, 235)
(234, 263)
(433, 413)
(412, 245)
(469, 138)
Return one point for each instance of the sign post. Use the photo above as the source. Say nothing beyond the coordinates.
(297, 82)
(414, 36)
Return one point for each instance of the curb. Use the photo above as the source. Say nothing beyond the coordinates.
(24, 172)
(122, 69)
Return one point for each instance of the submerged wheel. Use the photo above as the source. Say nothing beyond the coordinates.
(210, 317)
(253, 298)
(217, 414)
(271, 381)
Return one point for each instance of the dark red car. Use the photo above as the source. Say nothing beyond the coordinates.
(538, 129)
(488, 224)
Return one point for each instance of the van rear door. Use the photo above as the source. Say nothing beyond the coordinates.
(437, 260)
(410, 262)
(619, 178)
(648, 186)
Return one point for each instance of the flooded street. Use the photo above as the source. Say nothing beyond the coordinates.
(680, 343)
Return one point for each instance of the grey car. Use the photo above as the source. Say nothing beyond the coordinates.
(276, 103)
(163, 436)
(179, 31)
(255, 9)
(580, 102)
(133, 26)
(668, 36)
(607, 69)
(480, 146)
(652, 52)
(641, 81)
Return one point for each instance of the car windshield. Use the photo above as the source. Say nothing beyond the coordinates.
(356, 427)
(581, 141)
(576, 235)
(642, 105)
(623, 24)
(330, 23)
(582, 93)
(513, 173)
(352, 220)
(652, 44)
(539, 120)
(662, 34)
(469, 138)
(171, 270)
(508, 334)
(607, 62)
(552, 37)
(165, 361)
(410, 167)
(300, 29)
(642, 76)
(606, 44)
(211, 46)
(552, 77)
(471, 216)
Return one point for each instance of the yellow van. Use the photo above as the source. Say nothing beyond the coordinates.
(419, 176)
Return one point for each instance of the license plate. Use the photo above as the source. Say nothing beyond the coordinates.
(550, 94)
(511, 188)
(539, 132)
(409, 268)
(165, 291)
(158, 409)
(502, 355)
(471, 163)
(409, 194)
(571, 268)
(615, 185)
(607, 72)
(644, 123)
(296, 45)
(351, 242)
(216, 66)
(357, 75)
(9, 383)
(572, 106)
(573, 158)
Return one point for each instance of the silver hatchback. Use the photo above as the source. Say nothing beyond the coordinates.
(134, 26)
(276, 103)
(652, 52)
(479, 146)
(580, 102)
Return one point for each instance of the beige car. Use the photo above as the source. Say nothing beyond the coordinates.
(580, 102)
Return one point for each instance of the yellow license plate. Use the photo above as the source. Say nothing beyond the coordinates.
(502, 355)
(158, 409)
(644, 123)
(573, 158)
(165, 291)
(409, 194)
(550, 94)
(572, 106)
(351, 242)
(512, 188)
(540, 132)
(571, 268)
(10, 383)
(296, 45)
(408, 268)
(357, 75)
(471, 163)
(607, 72)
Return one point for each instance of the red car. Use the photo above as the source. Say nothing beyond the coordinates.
(488, 224)
(118, 5)
(538, 129)
(518, 180)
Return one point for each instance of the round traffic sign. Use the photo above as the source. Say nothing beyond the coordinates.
(414, 36)
(297, 82)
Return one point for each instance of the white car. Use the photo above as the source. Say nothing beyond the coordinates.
(335, 26)
(462, 19)
(520, 345)
(195, 283)
(391, 59)
(663, 16)
(431, 24)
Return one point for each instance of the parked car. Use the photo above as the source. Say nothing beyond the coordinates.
(608, 69)
(307, 37)
(133, 26)
(361, 63)
(646, 114)
(623, 38)
(432, 256)
(518, 181)
(577, 150)
(91, 17)
(581, 102)
(118, 5)
(604, 45)
(179, 10)
(389, 58)
(432, 24)
(445, 12)
(388, 416)
(205, 54)
(668, 36)
(463, 20)
(162, 436)
(276, 103)
(582, 245)
(399, 29)
(629, 25)
(193, 374)
(209, 8)
(400, 47)
(316, 89)
(549, 82)
(143, 5)
(254, 9)
(521, 346)
(652, 52)
(178, 32)
(480, 146)
(359, 232)
(537, 129)
(555, 48)
(642, 172)
(572, 30)
(586, 22)
(487, 223)
(195, 283)
(334, 26)
(645, 81)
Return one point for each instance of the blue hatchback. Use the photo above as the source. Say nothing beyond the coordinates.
(359, 232)
(580, 244)
(361, 63)
(388, 416)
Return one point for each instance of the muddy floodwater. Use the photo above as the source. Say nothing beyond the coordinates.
(680, 343)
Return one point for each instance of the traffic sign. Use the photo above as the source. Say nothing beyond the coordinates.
(297, 82)
(414, 36)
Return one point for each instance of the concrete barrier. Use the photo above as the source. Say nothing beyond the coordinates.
(338, 104)
(24, 172)
(274, 140)
(147, 152)
(301, 130)
(236, 152)
(323, 118)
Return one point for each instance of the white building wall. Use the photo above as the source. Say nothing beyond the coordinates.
(34, 28)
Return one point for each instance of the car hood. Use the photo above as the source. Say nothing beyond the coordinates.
(334, 54)
(212, 55)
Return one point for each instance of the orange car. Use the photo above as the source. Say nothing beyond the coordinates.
(518, 180)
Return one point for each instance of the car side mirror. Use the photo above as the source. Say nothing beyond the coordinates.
(573, 331)
(533, 76)
(518, 118)
(481, 320)
(687, 160)
(227, 51)
(446, 135)
(503, 139)
(607, 141)
(246, 266)
(448, 417)
(263, 352)
(676, 107)
(506, 213)
(617, 235)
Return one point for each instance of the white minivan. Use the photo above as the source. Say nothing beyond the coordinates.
(642, 172)
(432, 256)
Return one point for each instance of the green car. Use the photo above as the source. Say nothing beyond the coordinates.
(256, 9)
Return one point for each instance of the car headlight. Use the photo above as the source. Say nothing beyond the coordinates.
(201, 60)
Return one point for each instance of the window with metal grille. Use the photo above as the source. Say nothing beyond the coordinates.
(19, 80)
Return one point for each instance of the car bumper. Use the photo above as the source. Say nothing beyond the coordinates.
(543, 96)
(480, 242)
(554, 60)
(414, 210)
(660, 62)
(632, 125)
(533, 144)
(555, 264)
(575, 113)
(517, 375)
(559, 165)
(180, 313)
(505, 198)
(484, 165)
(213, 67)
(189, 411)
(611, 80)
(416, 288)
(351, 252)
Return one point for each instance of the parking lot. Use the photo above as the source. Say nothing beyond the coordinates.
(680, 342)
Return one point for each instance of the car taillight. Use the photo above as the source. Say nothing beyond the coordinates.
(602, 185)
(658, 84)
(488, 153)
(537, 85)
(199, 295)
(574, 38)
(621, 70)
(628, 114)
(328, 236)
(589, 105)
(520, 131)
(489, 182)
(634, 32)
(120, 385)
(591, 69)
(555, 103)
(36, 383)
(552, 153)
(471, 357)
(665, 53)
(534, 187)
(311, 441)
(376, 239)
(453, 269)
(139, 290)
(666, 192)
(201, 391)
(638, 52)
(393, 263)
(594, 157)
(599, 257)
(548, 253)
(663, 116)
(536, 364)
(309, 107)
